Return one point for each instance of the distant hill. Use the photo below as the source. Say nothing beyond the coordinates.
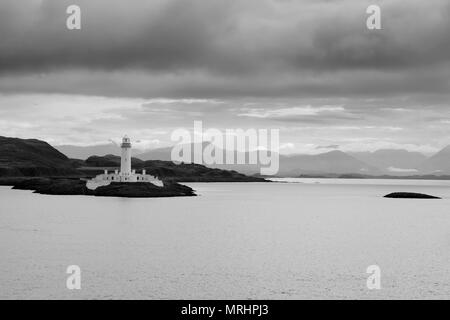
(156, 154)
(330, 162)
(437, 164)
(337, 162)
(381, 162)
(391, 161)
(80, 152)
(170, 171)
(165, 154)
(31, 157)
(110, 160)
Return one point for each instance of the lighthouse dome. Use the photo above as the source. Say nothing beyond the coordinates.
(126, 142)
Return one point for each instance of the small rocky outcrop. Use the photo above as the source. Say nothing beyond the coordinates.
(409, 195)
(143, 190)
(66, 186)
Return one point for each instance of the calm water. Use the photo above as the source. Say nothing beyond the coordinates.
(309, 239)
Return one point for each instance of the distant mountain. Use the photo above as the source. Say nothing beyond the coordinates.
(165, 153)
(156, 154)
(391, 161)
(381, 162)
(335, 162)
(32, 157)
(80, 152)
(330, 162)
(110, 160)
(438, 164)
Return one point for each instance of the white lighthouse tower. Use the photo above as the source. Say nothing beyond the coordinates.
(125, 161)
(126, 174)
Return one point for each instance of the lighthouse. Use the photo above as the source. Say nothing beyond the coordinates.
(125, 161)
(126, 174)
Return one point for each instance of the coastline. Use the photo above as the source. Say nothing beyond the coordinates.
(76, 186)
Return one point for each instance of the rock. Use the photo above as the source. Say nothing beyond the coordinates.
(143, 190)
(74, 186)
(410, 195)
(54, 186)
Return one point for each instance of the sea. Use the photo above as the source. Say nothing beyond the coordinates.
(287, 239)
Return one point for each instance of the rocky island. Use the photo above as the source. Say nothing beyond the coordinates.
(73, 186)
(409, 195)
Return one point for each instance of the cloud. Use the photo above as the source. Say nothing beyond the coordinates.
(224, 48)
(400, 170)
(182, 101)
(332, 146)
(292, 111)
(287, 146)
(308, 67)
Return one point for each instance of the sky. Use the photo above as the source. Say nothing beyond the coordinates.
(310, 68)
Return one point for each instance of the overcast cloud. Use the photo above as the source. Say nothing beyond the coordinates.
(308, 67)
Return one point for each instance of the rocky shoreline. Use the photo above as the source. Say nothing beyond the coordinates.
(76, 186)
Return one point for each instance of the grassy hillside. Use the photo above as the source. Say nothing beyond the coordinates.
(31, 157)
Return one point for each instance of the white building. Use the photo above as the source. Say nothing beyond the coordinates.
(126, 174)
